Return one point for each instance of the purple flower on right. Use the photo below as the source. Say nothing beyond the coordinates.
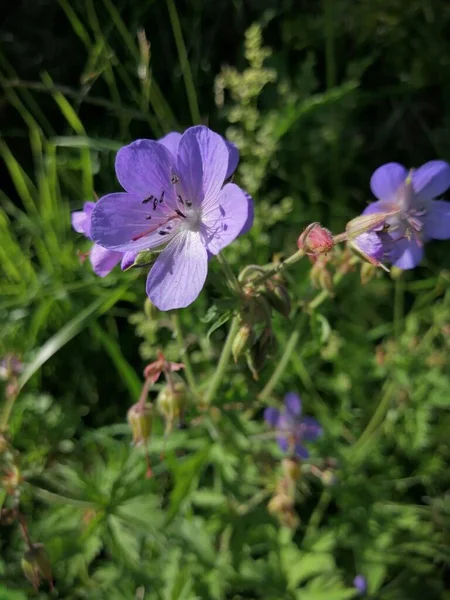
(360, 583)
(292, 428)
(418, 217)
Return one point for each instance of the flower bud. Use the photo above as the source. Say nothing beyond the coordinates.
(171, 400)
(140, 419)
(242, 341)
(321, 277)
(144, 259)
(315, 240)
(35, 564)
(279, 298)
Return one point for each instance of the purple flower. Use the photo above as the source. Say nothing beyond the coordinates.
(292, 429)
(175, 197)
(418, 217)
(102, 260)
(360, 583)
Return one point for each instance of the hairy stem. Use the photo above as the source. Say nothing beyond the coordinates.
(284, 360)
(231, 278)
(183, 352)
(223, 361)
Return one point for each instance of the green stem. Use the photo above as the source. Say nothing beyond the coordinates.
(279, 267)
(374, 422)
(223, 360)
(234, 284)
(318, 513)
(399, 305)
(184, 62)
(284, 361)
(183, 351)
(7, 409)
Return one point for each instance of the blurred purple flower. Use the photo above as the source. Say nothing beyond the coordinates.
(291, 428)
(360, 583)
(175, 196)
(10, 365)
(103, 261)
(418, 217)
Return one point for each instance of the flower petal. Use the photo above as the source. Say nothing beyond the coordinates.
(81, 219)
(202, 164)
(293, 405)
(233, 158)
(310, 429)
(119, 222)
(179, 273)
(224, 222)
(406, 254)
(128, 260)
(103, 261)
(301, 451)
(145, 168)
(369, 243)
(171, 141)
(283, 443)
(271, 415)
(376, 207)
(431, 179)
(387, 179)
(437, 221)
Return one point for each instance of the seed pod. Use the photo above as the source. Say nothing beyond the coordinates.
(242, 341)
(35, 564)
(172, 400)
(140, 419)
(279, 298)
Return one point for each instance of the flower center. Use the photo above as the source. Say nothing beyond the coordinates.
(193, 218)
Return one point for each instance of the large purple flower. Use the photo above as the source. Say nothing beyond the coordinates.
(102, 260)
(175, 197)
(292, 428)
(417, 217)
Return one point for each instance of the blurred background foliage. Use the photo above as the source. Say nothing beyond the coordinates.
(316, 94)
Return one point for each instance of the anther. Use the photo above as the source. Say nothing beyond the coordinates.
(146, 200)
(174, 179)
(180, 213)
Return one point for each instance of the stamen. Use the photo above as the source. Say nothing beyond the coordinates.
(162, 197)
(146, 200)
(155, 203)
(174, 179)
(180, 199)
(153, 229)
(180, 213)
(148, 217)
(163, 232)
(188, 203)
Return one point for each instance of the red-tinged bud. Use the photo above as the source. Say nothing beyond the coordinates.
(172, 400)
(242, 341)
(140, 418)
(315, 240)
(35, 564)
(291, 468)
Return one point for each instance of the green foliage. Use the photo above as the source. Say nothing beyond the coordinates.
(315, 98)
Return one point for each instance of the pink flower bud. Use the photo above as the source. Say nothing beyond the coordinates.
(315, 240)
